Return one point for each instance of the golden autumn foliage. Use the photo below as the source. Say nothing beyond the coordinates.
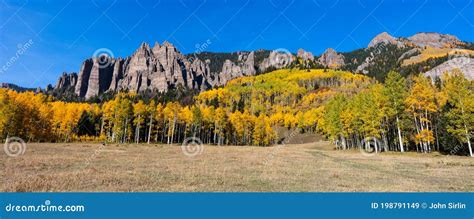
(432, 52)
(352, 110)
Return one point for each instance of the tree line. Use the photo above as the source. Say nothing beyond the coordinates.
(405, 115)
(354, 111)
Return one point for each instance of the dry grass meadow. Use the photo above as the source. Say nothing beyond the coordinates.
(303, 167)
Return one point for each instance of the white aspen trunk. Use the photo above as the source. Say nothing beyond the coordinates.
(149, 129)
(400, 136)
(423, 143)
(468, 140)
(418, 132)
(219, 140)
(467, 132)
(375, 144)
(172, 130)
(113, 133)
(428, 128)
(137, 134)
(168, 133)
(215, 131)
(385, 142)
(469, 144)
(114, 127)
(343, 142)
(125, 131)
(365, 143)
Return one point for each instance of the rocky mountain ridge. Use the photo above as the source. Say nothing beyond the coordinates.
(331, 59)
(385, 53)
(422, 39)
(163, 67)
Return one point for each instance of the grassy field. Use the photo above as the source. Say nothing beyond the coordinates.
(304, 167)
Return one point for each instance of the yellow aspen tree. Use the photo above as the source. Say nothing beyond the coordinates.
(461, 116)
(139, 110)
(421, 103)
(395, 90)
(160, 121)
(151, 110)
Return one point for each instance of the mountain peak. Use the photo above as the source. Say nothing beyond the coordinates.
(330, 50)
(383, 37)
(437, 40)
(167, 44)
(305, 55)
(331, 59)
(143, 50)
(145, 46)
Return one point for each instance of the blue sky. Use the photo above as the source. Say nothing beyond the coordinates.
(64, 33)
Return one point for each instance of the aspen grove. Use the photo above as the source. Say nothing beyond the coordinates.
(352, 110)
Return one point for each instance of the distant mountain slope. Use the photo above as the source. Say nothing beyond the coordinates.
(375, 61)
(414, 54)
(466, 65)
(16, 87)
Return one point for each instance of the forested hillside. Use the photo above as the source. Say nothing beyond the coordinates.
(352, 110)
(375, 61)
